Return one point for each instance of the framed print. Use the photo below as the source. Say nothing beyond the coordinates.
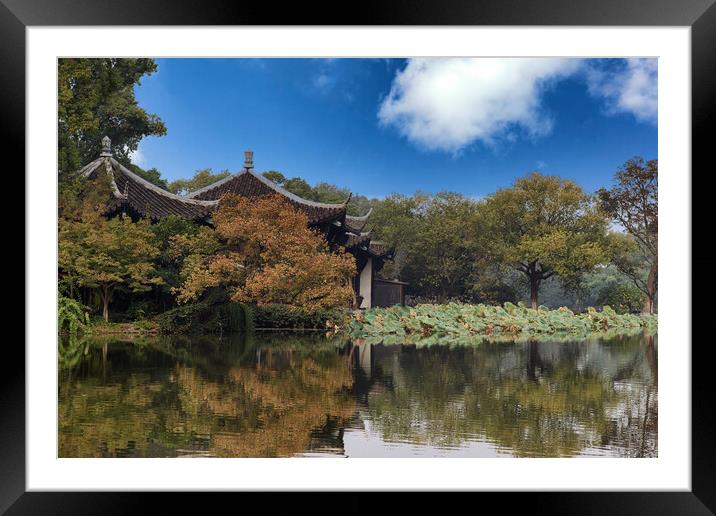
(421, 239)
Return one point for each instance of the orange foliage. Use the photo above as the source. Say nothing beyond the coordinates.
(272, 256)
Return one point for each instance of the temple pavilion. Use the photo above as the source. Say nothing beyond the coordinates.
(138, 197)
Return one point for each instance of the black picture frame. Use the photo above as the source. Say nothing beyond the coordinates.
(700, 15)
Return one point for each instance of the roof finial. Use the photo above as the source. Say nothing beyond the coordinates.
(106, 146)
(248, 159)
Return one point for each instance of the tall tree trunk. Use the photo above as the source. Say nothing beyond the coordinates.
(650, 290)
(105, 303)
(534, 290)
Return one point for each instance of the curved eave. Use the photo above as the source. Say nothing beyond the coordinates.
(357, 224)
(145, 198)
(250, 184)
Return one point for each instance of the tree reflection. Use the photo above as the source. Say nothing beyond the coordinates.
(530, 399)
(262, 402)
(275, 395)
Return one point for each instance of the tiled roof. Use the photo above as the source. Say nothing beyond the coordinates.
(356, 224)
(250, 184)
(147, 199)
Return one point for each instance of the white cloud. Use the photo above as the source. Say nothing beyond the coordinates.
(634, 90)
(137, 157)
(447, 104)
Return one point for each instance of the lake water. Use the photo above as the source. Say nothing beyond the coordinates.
(284, 395)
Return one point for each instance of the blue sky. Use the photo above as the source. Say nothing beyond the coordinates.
(379, 126)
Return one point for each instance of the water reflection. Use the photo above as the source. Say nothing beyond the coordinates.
(277, 395)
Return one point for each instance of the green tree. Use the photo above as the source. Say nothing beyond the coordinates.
(202, 178)
(435, 238)
(106, 255)
(397, 221)
(299, 187)
(633, 204)
(448, 244)
(152, 175)
(326, 192)
(96, 98)
(492, 284)
(167, 232)
(275, 176)
(545, 226)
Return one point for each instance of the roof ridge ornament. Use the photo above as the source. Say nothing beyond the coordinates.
(106, 147)
(248, 159)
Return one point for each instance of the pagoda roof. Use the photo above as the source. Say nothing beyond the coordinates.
(248, 183)
(357, 224)
(147, 199)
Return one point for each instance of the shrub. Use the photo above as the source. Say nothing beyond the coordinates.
(237, 316)
(206, 317)
(284, 316)
(138, 310)
(622, 298)
(72, 316)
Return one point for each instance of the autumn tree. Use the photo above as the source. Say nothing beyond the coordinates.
(545, 226)
(633, 204)
(106, 255)
(269, 255)
(202, 178)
